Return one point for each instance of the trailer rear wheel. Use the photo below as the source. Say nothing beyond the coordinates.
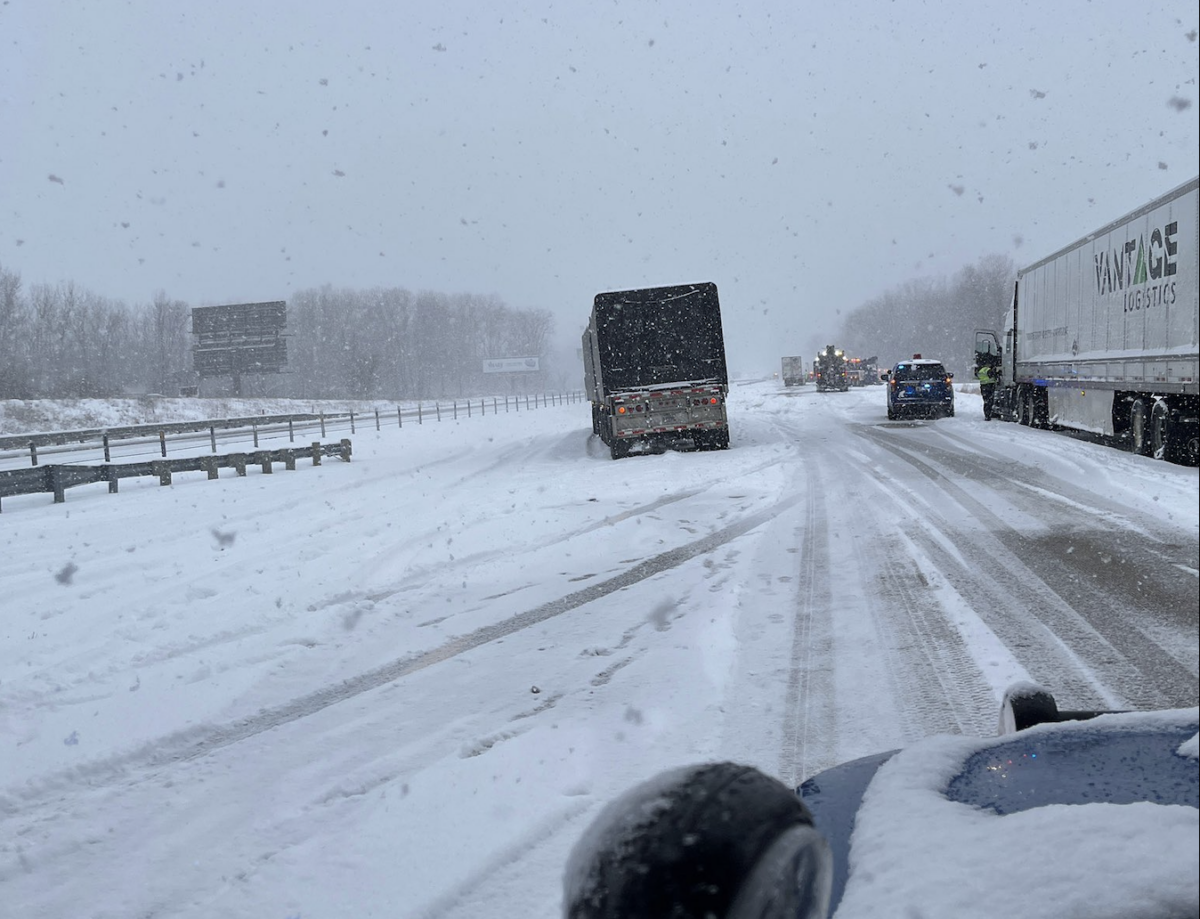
(1139, 427)
(619, 448)
(1039, 408)
(1160, 432)
(1026, 408)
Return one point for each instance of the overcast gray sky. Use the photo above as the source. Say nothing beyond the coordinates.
(803, 156)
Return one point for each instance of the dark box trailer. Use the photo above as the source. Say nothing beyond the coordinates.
(654, 369)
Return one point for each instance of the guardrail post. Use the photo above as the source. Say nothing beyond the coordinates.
(316, 453)
(399, 417)
(209, 465)
(107, 456)
(239, 462)
(352, 422)
(212, 436)
(110, 473)
(162, 441)
(322, 424)
(495, 403)
(345, 452)
(291, 432)
(57, 485)
(437, 407)
(33, 452)
(263, 459)
(455, 403)
(254, 428)
(289, 460)
(163, 471)
(419, 419)
(468, 408)
(376, 419)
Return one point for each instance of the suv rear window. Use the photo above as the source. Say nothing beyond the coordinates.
(920, 372)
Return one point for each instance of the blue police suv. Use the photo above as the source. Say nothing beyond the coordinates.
(919, 387)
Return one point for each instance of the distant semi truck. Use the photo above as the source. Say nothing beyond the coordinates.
(830, 370)
(794, 372)
(654, 369)
(1102, 335)
(862, 371)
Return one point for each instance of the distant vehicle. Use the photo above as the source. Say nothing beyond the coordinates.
(1001, 818)
(1102, 336)
(654, 369)
(862, 371)
(829, 370)
(794, 372)
(868, 368)
(920, 386)
(854, 374)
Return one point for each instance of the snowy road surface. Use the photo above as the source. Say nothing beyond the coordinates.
(403, 686)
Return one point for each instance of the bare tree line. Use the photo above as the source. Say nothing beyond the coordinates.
(936, 317)
(59, 341)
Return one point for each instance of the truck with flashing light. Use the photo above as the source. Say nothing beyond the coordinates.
(654, 369)
(830, 371)
(1102, 335)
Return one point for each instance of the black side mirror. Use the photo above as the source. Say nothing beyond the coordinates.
(718, 840)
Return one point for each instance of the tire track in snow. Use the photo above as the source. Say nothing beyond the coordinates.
(197, 743)
(933, 651)
(419, 577)
(471, 898)
(809, 706)
(1074, 635)
(1002, 597)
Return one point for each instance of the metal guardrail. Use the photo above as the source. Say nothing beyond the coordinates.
(56, 479)
(266, 424)
(133, 431)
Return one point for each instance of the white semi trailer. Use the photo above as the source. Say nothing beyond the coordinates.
(1102, 336)
(794, 373)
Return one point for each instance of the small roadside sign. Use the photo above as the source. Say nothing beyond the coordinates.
(510, 365)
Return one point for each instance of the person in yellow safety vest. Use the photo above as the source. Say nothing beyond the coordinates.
(986, 375)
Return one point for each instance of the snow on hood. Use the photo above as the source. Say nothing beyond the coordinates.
(916, 852)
